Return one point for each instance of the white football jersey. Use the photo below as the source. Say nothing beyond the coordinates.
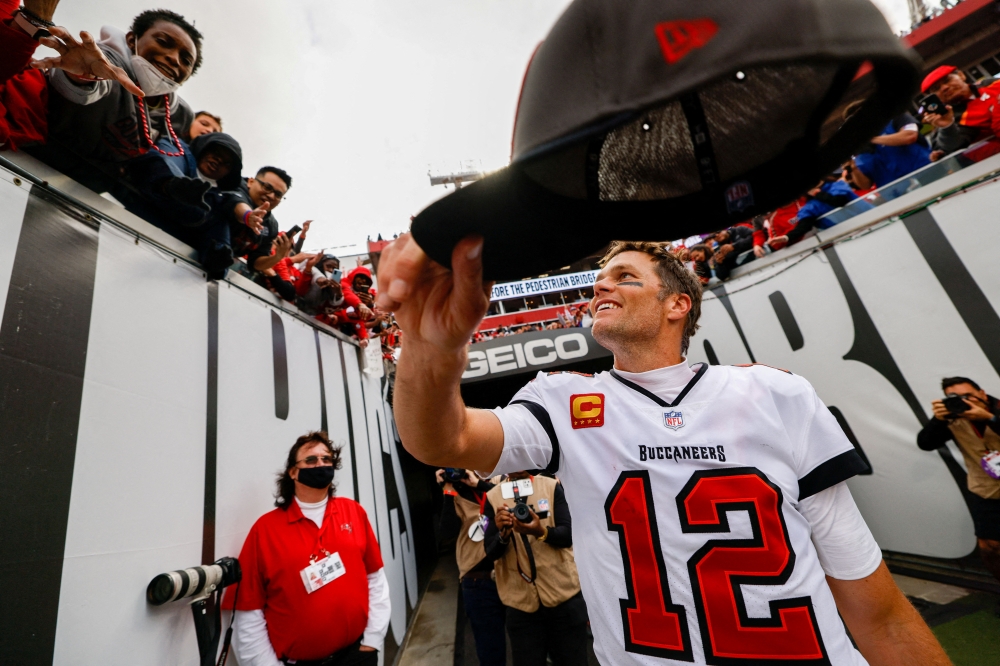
(686, 532)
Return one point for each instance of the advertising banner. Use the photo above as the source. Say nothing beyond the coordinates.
(531, 352)
(545, 285)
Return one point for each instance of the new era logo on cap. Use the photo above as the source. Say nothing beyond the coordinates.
(587, 410)
(678, 38)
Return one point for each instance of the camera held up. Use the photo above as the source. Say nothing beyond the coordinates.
(519, 491)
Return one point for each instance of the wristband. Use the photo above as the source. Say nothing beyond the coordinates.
(32, 26)
(545, 535)
(246, 215)
(34, 18)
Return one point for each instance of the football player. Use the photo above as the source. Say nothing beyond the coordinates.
(710, 512)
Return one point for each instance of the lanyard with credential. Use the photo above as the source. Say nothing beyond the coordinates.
(318, 548)
(481, 498)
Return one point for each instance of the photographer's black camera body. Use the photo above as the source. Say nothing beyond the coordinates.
(521, 510)
(454, 474)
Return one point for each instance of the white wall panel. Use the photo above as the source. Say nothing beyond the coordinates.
(13, 201)
(910, 488)
(253, 441)
(138, 482)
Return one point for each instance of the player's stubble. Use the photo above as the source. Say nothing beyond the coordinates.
(635, 326)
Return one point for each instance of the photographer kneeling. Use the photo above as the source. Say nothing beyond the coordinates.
(972, 418)
(529, 536)
(314, 592)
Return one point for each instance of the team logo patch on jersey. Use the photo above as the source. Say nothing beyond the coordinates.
(587, 410)
(673, 420)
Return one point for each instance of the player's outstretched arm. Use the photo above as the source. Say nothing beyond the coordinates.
(885, 626)
(438, 310)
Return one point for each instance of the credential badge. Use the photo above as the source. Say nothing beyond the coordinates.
(673, 420)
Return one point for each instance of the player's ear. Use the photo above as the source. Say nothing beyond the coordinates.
(678, 306)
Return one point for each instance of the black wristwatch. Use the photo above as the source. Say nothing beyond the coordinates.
(35, 26)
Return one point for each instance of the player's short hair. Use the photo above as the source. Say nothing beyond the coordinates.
(674, 276)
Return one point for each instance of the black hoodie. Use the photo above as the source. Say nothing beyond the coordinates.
(221, 140)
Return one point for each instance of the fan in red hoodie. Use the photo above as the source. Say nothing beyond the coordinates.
(23, 91)
(358, 283)
(767, 228)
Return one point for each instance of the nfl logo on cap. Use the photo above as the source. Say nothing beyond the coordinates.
(673, 420)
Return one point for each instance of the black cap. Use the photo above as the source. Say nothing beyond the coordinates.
(660, 119)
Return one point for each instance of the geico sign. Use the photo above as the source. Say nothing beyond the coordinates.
(519, 355)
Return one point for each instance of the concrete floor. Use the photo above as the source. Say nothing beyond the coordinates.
(430, 640)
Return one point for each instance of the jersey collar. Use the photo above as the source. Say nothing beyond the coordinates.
(657, 399)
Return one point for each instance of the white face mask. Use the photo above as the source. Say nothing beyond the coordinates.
(151, 80)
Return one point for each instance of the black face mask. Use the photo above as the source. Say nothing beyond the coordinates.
(316, 477)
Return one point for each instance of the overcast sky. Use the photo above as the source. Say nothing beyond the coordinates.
(357, 100)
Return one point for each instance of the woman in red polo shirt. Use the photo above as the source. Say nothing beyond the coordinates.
(313, 591)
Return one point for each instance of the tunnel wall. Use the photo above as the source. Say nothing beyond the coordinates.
(144, 414)
(875, 313)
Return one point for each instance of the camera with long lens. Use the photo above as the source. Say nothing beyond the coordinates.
(204, 586)
(454, 474)
(195, 582)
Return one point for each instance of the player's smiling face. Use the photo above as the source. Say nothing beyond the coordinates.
(626, 306)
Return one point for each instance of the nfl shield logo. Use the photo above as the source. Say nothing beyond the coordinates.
(673, 420)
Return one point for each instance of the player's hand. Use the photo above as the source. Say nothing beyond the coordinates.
(83, 59)
(255, 220)
(940, 411)
(433, 304)
(366, 648)
(533, 528)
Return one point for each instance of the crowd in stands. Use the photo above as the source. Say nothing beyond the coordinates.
(576, 315)
(107, 113)
(954, 114)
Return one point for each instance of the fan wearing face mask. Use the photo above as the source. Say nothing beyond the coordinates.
(314, 591)
(116, 99)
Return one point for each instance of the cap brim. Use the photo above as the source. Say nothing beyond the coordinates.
(529, 230)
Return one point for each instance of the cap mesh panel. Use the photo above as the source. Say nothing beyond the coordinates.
(750, 122)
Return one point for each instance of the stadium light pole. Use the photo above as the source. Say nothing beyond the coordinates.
(456, 179)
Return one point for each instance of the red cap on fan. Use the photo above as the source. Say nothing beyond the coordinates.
(936, 75)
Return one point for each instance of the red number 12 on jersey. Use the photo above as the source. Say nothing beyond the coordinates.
(657, 627)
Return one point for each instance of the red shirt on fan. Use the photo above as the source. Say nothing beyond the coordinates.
(780, 223)
(303, 625)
